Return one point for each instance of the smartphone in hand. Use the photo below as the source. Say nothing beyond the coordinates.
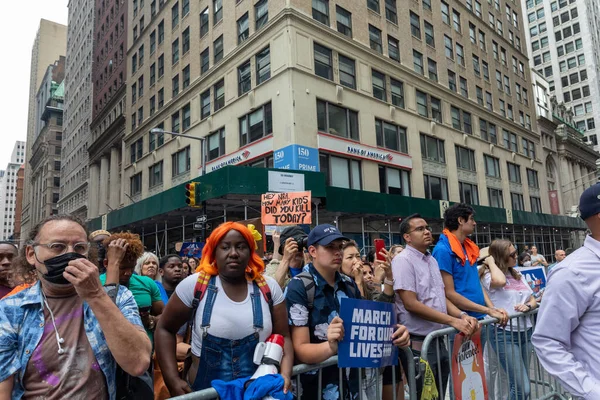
(379, 244)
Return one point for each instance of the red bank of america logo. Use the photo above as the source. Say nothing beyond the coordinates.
(389, 157)
(246, 154)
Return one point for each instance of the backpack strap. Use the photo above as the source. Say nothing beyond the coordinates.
(309, 286)
(199, 292)
(262, 284)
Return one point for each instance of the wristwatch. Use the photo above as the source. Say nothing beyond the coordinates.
(387, 281)
(462, 313)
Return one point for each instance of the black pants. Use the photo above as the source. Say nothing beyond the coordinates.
(437, 364)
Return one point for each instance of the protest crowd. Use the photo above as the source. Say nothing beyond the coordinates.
(97, 316)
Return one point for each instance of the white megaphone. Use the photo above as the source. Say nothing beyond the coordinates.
(267, 355)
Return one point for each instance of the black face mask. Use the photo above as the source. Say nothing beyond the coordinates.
(56, 266)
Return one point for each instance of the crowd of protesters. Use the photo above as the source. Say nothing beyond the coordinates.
(96, 316)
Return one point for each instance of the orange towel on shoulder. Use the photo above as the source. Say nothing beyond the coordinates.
(471, 248)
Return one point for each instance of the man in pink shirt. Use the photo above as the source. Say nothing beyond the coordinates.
(567, 336)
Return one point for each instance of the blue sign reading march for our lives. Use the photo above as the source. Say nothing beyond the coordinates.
(368, 329)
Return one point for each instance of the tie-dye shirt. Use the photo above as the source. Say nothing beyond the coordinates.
(23, 327)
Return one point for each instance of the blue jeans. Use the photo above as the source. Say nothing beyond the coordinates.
(514, 359)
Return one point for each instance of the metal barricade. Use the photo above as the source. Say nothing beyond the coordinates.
(513, 370)
(209, 394)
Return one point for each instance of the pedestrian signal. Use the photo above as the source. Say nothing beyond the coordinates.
(190, 194)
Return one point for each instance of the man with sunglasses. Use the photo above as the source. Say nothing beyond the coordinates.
(421, 303)
(62, 337)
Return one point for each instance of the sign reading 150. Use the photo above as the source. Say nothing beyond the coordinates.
(279, 155)
(303, 152)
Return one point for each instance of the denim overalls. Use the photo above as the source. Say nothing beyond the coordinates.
(226, 359)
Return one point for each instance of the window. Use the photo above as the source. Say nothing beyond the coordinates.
(156, 139)
(175, 85)
(472, 34)
(415, 25)
(492, 166)
(532, 178)
(186, 76)
(175, 122)
(452, 81)
(516, 200)
(390, 11)
(204, 61)
(418, 62)
(373, 5)
(244, 78)
(378, 83)
(465, 158)
(156, 174)
(393, 48)
(161, 98)
(185, 7)
(174, 15)
(175, 51)
(216, 144)
(506, 85)
(134, 63)
(495, 198)
(219, 92)
(218, 49)
(449, 51)
(476, 68)
(456, 20)
(344, 21)
(205, 104)
(464, 89)
(397, 92)
(528, 148)
(340, 172)
(432, 149)
(468, 193)
(427, 5)
(486, 71)
(514, 173)
(161, 32)
(263, 66)
(432, 69)
(135, 184)
(436, 188)
(133, 93)
(218, 11)
(460, 54)
(137, 150)
(445, 13)
(394, 181)
(479, 94)
(337, 120)
(323, 62)
(243, 28)
(256, 125)
(152, 42)
(185, 39)
(204, 22)
(536, 204)
(180, 162)
(455, 116)
(375, 39)
(510, 141)
(391, 136)
(320, 11)
(261, 13)
(429, 35)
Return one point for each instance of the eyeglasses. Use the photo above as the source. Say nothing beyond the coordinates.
(421, 229)
(513, 254)
(59, 248)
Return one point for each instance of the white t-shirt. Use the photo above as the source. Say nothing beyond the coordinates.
(229, 320)
(513, 293)
(537, 258)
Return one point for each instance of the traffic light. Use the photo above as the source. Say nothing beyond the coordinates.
(190, 194)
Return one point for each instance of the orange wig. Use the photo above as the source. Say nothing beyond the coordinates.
(208, 264)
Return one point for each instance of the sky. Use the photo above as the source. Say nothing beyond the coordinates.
(20, 23)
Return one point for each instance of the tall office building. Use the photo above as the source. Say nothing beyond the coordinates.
(563, 38)
(335, 76)
(77, 110)
(8, 191)
(50, 43)
(108, 115)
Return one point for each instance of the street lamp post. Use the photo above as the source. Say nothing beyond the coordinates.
(202, 157)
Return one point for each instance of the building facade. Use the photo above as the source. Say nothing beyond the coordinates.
(50, 43)
(77, 110)
(563, 38)
(383, 115)
(16, 237)
(8, 191)
(45, 162)
(108, 116)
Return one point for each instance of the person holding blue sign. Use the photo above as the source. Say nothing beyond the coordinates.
(421, 303)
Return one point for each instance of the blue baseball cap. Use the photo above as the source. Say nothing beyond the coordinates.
(589, 202)
(324, 234)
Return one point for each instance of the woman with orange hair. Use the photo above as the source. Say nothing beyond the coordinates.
(231, 307)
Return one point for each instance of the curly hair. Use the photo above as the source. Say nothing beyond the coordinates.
(135, 248)
(207, 263)
(25, 272)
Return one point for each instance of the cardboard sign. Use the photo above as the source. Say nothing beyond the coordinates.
(368, 329)
(191, 249)
(291, 208)
(468, 375)
(535, 277)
